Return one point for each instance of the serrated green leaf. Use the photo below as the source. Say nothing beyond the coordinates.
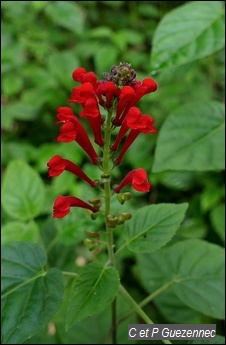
(217, 217)
(93, 290)
(192, 138)
(30, 294)
(18, 231)
(151, 227)
(188, 33)
(22, 191)
(194, 269)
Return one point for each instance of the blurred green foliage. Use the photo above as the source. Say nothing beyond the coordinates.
(42, 43)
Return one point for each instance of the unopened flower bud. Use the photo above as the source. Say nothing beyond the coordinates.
(112, 219)
(127, 216)
(87, 242)
(93, 234)
(96, 202)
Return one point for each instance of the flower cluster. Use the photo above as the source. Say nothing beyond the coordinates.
(116, 97)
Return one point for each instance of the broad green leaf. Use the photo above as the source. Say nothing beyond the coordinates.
(151, 227)
(217, 217)
(95, 288)
(211, 196)
(67, 14)
(194, 269)
(192, 138)
(30, 294)
(188, 33)
(18, 231)
(22, 191)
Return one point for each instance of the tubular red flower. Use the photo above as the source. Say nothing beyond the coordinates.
(91, 111)
(134, 120)
(62, 205)
(57, 165)
(145, 125)
(126, 98)
(129, 140)
(72, 129)
(148, 85)
(80, 94)
(64, 114)
(138, 179)
(109, 90)
(82, 76)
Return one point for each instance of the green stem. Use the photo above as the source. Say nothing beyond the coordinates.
(138, 309)
(147, 300)
(69, 274)
(107, 193)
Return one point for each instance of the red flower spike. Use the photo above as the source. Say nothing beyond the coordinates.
(109, 90)
(82, 76)
(126, 98)
(62, 205)
(80, 94)
(138, 179)
(57, 165)
(91, 111)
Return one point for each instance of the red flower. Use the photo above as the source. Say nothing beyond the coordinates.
(134, 115)
(91, 111)
(148, 85)
(72, 129)
(80, 94)
(62, 205)
(126, 100)
(57, 165)
(144, 124)
(138, 179)
(109, 90)
(82, 76)
(134, 120)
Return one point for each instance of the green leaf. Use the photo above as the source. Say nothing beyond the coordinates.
(18, 231)
(188, 33)
(94, 289)
(61, 65)
(30, 294)
(217, 217)
(211, 196)
(195, 271)
(192, 138)
(12, 84)
(22, 191)
(105, 57)
(66, 14)
(151, 227)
